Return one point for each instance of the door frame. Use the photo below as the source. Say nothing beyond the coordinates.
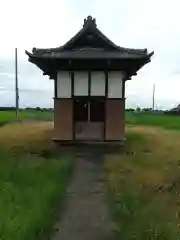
(89, 98)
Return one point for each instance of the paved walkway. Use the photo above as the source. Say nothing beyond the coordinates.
(86, 215)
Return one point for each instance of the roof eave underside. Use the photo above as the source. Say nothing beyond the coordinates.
(113, 56)
(44, 67)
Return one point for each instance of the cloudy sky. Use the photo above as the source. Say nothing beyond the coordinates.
(129, 23)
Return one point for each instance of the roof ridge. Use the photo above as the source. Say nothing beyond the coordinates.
(90, 27)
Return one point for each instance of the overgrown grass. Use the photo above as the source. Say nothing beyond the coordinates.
(31, 186)
(144, 185)
(160, 120)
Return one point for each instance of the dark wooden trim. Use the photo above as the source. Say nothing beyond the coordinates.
(104, 128)
(75, 97)
(106, 97)
(108, 63)
(123, 88)
(72, 84)
(55, 87)
(116, 99)
(106, 84)
(89, 97)
(72, 97)
(64, 98)
(89, 83)
(73, 120)
(70, 63)
(80, 97)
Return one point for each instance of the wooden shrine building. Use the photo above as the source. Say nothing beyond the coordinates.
(89, 73)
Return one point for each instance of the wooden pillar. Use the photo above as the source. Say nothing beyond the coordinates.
(115, 120)
(63, 119)
(115, 114)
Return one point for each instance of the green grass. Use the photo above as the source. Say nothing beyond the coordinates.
(160, 120)
(31, 186)
(6, 116)
(144, 185)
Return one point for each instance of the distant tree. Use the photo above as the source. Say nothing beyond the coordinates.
(138, 109)
(147, 109)
(130, 110)
(38, 109)
(28, 108)
(7, 108)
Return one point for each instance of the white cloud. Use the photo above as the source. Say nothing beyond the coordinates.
(42, 23)
(139, 24)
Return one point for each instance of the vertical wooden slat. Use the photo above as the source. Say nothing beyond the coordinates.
(55, 85)
(73, 113)
(106, 97)
(123, 88)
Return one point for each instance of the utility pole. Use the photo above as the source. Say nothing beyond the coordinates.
(16, 85)
(153, 102)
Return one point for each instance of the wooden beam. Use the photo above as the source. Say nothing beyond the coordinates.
(89, 84)
(106, 84)
(108, 63)
(70, 63)
(123, 87)
(55, 88)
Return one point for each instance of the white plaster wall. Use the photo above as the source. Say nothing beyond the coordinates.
(63, 84)
(81, 83)
(115, 79)
(97, 84)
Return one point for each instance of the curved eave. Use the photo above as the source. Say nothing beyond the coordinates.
(28, 53)
(32, 58)
(150, 54)
(146, 60)
(89, 56)
(38, 60)
(141, 64)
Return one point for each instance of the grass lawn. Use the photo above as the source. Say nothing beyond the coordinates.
(160, 120)
(31, 186)
(144, 185)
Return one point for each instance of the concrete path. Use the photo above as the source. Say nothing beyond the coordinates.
(86, 214)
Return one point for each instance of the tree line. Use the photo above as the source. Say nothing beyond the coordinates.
(173, 111)
(28, 109)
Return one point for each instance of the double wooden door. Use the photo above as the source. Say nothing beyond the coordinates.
(89, 118)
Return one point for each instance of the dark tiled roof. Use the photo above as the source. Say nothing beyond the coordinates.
(99, 46)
